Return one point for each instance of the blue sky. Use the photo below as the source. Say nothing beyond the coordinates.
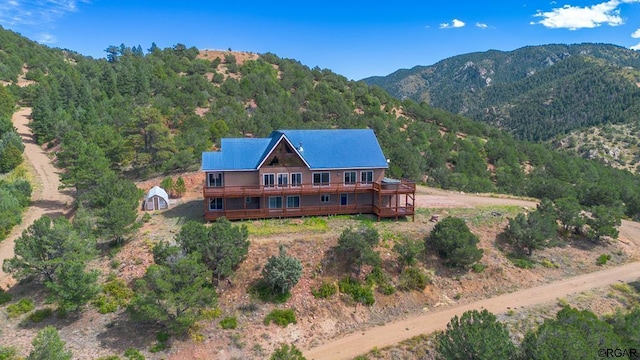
(353, 38)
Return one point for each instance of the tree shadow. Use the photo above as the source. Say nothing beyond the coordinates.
(122, 333)
(186, 211)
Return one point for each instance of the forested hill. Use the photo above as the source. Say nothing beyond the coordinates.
(535, 92)
(144, 112)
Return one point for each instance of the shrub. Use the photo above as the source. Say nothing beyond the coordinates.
(521, 262)
(162, 339)
(133, 354)
(359, 293)
(387, 289)
(602, 259)
(413, 278)
(229, 322)
(454, 242)
(5, 297)
(115, 294)
(326, 290)
(282, 317)
(21, 307)
(40, 314)
(287, 352)
(478, 267)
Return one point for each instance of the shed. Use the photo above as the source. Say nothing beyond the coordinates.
(156, 199)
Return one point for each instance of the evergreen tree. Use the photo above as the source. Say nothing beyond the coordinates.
(47, 345)
(282, 272)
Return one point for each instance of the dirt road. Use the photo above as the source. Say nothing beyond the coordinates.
(358, 343)
(46, 199)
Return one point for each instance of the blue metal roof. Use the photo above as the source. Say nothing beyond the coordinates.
(321, 149)
(338, 149)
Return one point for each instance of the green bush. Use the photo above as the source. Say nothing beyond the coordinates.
(359, 293)
(478, 267)
(162, 338)
(5, 297)
(523, 263)
(603, 259)
(230, 322)
(387, 289)
(263, 291)
(413, 278)
(133, 354)
(282, 317)
(40, 314)
(21, 307)
(326, 290)
(115, 294)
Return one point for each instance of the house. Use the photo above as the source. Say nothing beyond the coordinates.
(303, 173)
(156, 199)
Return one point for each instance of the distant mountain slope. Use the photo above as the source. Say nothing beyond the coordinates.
(535, 92)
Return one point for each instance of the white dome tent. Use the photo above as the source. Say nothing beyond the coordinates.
(156, 199)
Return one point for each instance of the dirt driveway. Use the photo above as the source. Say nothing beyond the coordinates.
(47, 199)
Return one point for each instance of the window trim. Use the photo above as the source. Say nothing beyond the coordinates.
(218, 176)
(293, 197)
(296, 174)
(282, 184)
(321, 183)
(275, 198)
(366, 181)
(353, 180)
(211, 200)
(322, 199)
(272, 183)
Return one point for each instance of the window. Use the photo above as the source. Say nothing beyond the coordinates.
(215, 204)
(350, 177)
(215, 180)
(283, 180)
(268, 180)
(321, 179)
(324, 198)
(296, 179)
(247, 199)
(293, 201)
(275, 202)
(366, 177)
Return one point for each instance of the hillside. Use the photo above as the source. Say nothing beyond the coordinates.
(142, 113)
(534, 92)
(113, 280)
(614, 145)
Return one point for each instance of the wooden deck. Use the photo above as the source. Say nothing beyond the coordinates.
(404, 188)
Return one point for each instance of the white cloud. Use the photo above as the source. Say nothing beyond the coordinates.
(636, 47)
(482, 25)
(45, 38)
(16, 13)
(576, 17)
(455, 23)
(636, 34)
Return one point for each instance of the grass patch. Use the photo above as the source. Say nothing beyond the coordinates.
(162, 342)
(230, 322)
(359, 293)
(478, 267)
(21, 307)
(413, 278)
(282, 317)
(265, 293)
(548, 264)
(5, 297)
(521, 261)
(326, 290)
(115, 294)
(284, 226)
(603, 259)
(476, 216)
(40, 314)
